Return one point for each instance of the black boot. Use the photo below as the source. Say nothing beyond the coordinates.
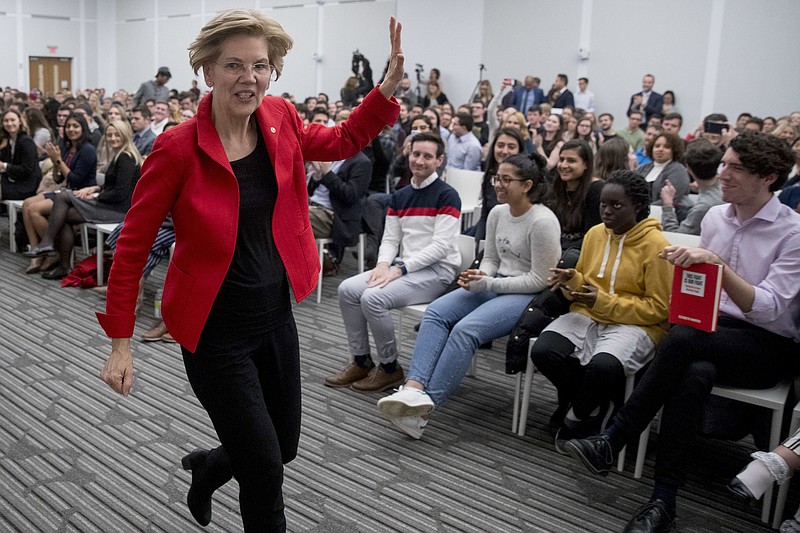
(210, 470)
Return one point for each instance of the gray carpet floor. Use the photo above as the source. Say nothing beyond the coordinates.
(75, 457)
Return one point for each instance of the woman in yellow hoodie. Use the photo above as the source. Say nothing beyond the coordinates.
(620, 291)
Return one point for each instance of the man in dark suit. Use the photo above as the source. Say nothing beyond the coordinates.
(336, 195)
(527, 95)
(563, 96)
(647, 101)
(143, 136)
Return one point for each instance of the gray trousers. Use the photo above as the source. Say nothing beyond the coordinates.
(362, 306)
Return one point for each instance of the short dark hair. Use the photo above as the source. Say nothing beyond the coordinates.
(425, 136)
(609, 115)
(745, 114)
(636, 188)
(634, 112)
(757, 121)
(675, 144)
(584, 79)
(465, 119)
(764, 154)
(672, 115)
(535, 108)
(702, 158)
(715, 117)
(564, 78)
(143, 109)
(426, 120)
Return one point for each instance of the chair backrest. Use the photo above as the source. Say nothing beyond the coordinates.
(466, 245)
(682, 239)
(655, 212)
(467, 183)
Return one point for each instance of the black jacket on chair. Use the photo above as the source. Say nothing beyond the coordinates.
(22, 176)
(348, 192)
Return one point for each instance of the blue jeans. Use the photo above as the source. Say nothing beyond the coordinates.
(452, 329)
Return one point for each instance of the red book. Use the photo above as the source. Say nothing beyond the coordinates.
(695, 296)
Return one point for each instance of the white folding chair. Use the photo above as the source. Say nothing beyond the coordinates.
(468, 185)
(362, 238)
(14, 207)
(102, 230)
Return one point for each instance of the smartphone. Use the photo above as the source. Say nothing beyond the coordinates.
(714, 127)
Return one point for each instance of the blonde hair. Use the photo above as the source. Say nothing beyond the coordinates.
(207, 46)
(124, 129)
(523, 130)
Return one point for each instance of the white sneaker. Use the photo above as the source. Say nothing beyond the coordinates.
(413, 426)
(406, 402)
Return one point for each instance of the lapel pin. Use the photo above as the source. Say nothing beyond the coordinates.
(272, 129)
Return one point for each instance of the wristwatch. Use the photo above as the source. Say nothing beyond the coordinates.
(401, 265)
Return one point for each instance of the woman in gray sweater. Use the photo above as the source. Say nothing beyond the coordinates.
(522, 244)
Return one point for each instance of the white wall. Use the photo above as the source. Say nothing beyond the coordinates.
(717, 55)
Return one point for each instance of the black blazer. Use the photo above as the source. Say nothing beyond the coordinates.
(22, 177)
(348, 192)
(565, 99)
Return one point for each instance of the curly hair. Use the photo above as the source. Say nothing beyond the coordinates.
(635, 188)
(531, 167)
(673, 141)
(764, 154)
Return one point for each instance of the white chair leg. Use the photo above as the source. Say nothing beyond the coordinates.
(641, 452)
(362, 238)
(526, 398)
(473, 366)
(12, 224)
(517, 391)
(319, 280)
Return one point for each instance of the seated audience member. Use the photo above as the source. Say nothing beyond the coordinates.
(649, 134)
(105, 204)
(463, 148)
(672, 123)
(790, 196)
(522, 243)
(787, 132)
(479, 126)
(516, 120)
(702, 161)
(585, 131)
(159, 117)
(794, 175)
(708, 130)
(620, 291)
(143, 135)
(666, 151)
(74, 166)
(336, 194)
(95, 131)
(575, 195)
(433, 95)
(506, 143)
(19, 159)
(612, 155)
(436, 123)
(633, 133)
(400, 171)
(39, 129)
(607, 131)
(549, 144)
(417, 260)
(754, 124)
(756, 340)
(769, 124)
(764, 470)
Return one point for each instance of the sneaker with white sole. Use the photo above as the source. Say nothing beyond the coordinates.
(406, 402)
(413, 426)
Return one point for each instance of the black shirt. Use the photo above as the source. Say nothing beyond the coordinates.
(254, 296)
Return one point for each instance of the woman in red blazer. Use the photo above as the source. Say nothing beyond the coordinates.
(234, 182)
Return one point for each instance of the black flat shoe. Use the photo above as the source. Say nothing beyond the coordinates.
(740, 490)
(57, 273)
(595, 453)
(38, 251)
(198, 499)
(652, 517)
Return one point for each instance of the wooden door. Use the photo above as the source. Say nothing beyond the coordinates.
(50, 74)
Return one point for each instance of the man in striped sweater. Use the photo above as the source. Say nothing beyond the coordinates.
(417, 260)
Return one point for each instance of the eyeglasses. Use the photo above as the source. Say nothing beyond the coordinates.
(259, 69)
(505, 181)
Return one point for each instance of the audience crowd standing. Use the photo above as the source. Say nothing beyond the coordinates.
(548, 157)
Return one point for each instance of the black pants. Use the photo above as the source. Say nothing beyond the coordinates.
(687, 365)
(585, 387)
(250, 387)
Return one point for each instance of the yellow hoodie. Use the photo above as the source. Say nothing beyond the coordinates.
(634, 283)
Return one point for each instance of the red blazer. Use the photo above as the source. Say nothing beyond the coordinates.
(189, 176)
